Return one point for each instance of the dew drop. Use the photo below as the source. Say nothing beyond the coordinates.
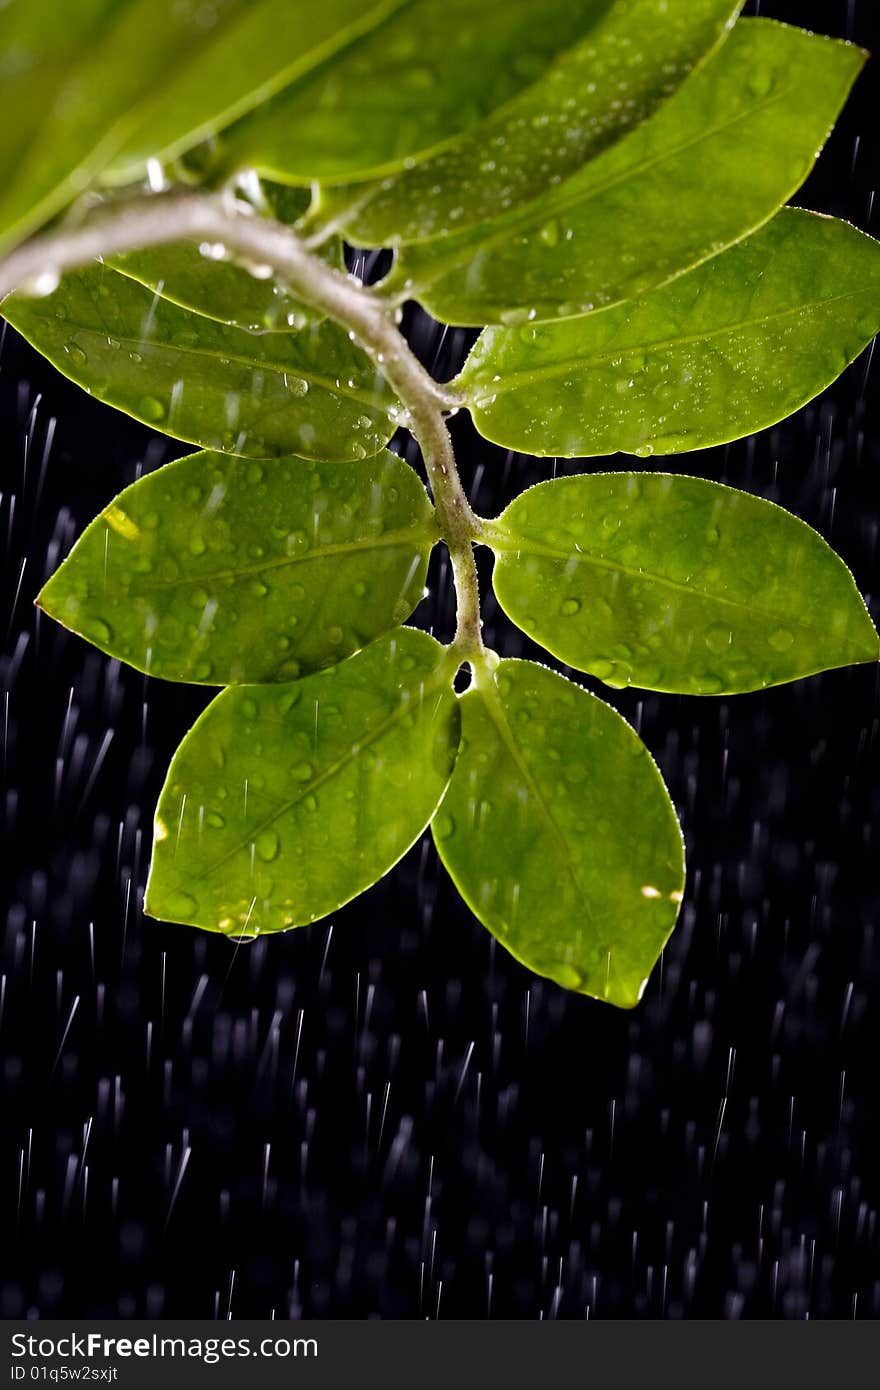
(180, 905)
(97, 630)
(781, 639)
(718, 637)
(151, 408)
(570, 606)
(267, 846)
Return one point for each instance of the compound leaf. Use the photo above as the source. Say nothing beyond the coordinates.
(312, 393)
(222, 571)
(676, 584)
(677, 190)
(559, 833)
(90, 81)
(734, 346)
(285, 801)
(633, 57)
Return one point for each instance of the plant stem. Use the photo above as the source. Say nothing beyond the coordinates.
(132, 224)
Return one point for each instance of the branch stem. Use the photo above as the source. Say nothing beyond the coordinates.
(127, 225)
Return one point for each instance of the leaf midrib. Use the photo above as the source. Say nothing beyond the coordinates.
(254, 364)
(527, 377)
(540, 210)
(309, 788)
(518, 544)
(495, 709)
(389, 541)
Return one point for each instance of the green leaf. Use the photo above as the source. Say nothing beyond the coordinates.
(222, 571)
(195, 278)
(676, 584)
(283, 802)
(407, 87)
(643, 48)
(263, 47)
(84, 79)
(559, 833)
(734, 346)
(676, 191)
(312, 393)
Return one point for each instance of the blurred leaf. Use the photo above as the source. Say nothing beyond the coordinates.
(195, 278)
(222, 571)
(559, 833)
(676, 584)
(734, 346)
(635, 56)
(312, 393)
(431, 71)
(283, 802)
(677, 190)
(263, 47)
(84, 79)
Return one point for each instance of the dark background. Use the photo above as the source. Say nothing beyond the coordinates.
(387, 1116)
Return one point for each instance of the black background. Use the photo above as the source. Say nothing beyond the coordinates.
(392, 1117)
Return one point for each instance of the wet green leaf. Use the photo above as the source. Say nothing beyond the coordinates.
(312, 393)
(559, 833)
(734, 346)
(285, 801)
(676, 584)
(84, 80)
(633, 57)
(221, 570)
(203, 279)
(677, 190)
(410, 85)
(262, 47)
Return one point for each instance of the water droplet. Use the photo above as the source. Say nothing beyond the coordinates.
(781, 639)
(180, 905)
(197, 545)
(151, 408)
(761, 84)
(570, 606)
(566, 975)
(297, 386)
(718, 637)
(97, 630)
(301, 772)
(215, 820)
(267, 846)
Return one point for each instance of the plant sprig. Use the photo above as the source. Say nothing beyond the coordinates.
(645, 294)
